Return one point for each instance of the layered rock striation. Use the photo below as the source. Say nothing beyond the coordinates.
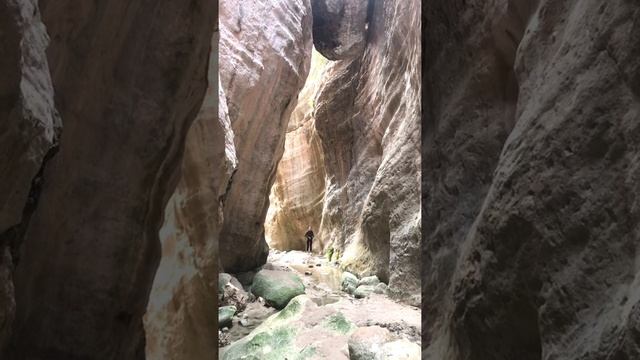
(265, 51)
(530, 180)
(367, 117)
(297, 194)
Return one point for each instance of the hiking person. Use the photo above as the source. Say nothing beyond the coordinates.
(309, 236)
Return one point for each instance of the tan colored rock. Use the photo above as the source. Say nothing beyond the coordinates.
(181, 318)
(265, 52)
(530, 172)
(340, 27)
(367, 116)
(366, 342)
(128, 86)
(297, 194)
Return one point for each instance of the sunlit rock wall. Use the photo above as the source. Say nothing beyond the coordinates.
(182, 317)
(265, 53)
(532, 124)
(297, 194)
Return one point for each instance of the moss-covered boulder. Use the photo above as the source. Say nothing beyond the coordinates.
(381, 288)
(225, 315)
(369, 280)
(348, 281)
(338, 323)
(363, 291)
(277, 288)
(302, 330)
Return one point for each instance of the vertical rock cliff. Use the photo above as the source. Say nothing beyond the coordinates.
(29, 128)
(297, 194)
(265, 52)
(127, 87)
(181, 319)
(367, 117)
(531, 175)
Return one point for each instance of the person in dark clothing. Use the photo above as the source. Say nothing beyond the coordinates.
(309, 236)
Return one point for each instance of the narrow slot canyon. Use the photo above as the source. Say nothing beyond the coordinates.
(316, 126)
(469, 170)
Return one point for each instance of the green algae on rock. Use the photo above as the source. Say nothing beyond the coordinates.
(302, 330)
(337, 322)
(363, 291)
(277, 287)
(225, 315)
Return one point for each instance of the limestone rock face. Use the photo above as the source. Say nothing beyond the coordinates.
(29, 128)
(367, 117)
(297, 194)
(531, 171)
(340, 27)
(265, 49)
(128, 86)
(187, 274)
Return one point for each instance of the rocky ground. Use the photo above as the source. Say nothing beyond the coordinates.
(336, 315)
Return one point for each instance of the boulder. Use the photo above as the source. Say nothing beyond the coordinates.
(277, 287)
(366, 343)
(246, 278)
(381, 288)
(401, 350)
(302, 330)
(224, 279)
(369, 280)
(363, 291)
(231, 292)
(225, 315)
(349, 289)
(349, 280)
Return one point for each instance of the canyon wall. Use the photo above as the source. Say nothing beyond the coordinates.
(367, 117)
(182, 320)
(297, 194)
(29, 130)
(127, 87)
(265, 51)
(530, 163)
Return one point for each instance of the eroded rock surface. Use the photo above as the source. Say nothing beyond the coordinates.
(297, 194)
(340, 27)
(127, 86)
(29, 128)
(367, 117)
(265, 50)
(187, 274)
(531, 175)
